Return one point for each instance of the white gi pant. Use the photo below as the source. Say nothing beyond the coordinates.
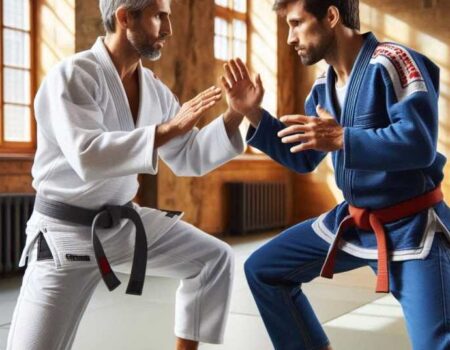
(55, 293)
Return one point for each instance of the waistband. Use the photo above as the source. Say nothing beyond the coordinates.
(106, 217)
(366, 219)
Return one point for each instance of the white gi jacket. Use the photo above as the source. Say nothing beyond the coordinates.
(89, 150)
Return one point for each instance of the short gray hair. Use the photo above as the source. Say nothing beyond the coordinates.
(108, 10)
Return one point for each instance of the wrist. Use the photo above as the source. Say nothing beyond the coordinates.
(164, 133)
(254, 116)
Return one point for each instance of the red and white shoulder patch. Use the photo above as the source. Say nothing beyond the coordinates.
(403, 70)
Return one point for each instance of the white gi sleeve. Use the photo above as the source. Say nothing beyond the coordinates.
(200, 151)
(68, 112)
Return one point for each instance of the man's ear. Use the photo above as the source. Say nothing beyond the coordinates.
(122, 18)
(333, 16)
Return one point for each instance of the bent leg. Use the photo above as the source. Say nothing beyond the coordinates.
(275, 273)
(423, 289)
(50, 305)
(205, 266)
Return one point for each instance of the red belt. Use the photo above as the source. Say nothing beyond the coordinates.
(374, 220)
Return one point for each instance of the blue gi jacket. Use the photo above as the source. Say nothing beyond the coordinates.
(390, 120)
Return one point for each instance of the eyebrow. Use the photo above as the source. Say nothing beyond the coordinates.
(294, 19)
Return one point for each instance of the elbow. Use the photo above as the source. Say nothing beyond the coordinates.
(85, 169)
(426, 154)
(86, 174)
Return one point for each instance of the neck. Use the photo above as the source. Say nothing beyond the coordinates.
(342, 58)
(124, 56)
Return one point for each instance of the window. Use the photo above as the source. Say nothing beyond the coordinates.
(16, 78)
(230, 29)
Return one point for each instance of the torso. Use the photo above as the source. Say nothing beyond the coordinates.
(131, 87)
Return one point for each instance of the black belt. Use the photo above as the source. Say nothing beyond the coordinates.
(106, 217)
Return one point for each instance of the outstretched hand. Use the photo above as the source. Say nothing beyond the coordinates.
(322, 133)
(192, 111)
(244, 94)
(188, 116)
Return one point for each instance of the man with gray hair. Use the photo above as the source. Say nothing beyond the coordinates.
(102, 119)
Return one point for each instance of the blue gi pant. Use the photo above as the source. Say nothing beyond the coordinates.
(277, 270)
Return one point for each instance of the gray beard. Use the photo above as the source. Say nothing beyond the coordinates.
(149, 53)
(145, 50)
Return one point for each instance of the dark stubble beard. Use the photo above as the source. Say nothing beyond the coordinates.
(144, 45)
(320, 51)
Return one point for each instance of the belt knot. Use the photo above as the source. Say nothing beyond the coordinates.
(110, 216)
(361, 217)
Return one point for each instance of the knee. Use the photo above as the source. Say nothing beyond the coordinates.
(253, 266)
(225, 257)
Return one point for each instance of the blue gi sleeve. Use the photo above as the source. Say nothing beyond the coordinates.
(266, 140)
(410, 141)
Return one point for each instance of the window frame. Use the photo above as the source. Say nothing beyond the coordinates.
(12, 147)
(229, 14)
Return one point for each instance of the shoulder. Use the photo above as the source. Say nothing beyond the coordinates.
(320, 80)
(81, 68)
(403, 68)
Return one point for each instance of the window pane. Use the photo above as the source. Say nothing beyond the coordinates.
(239, 30)
(223, 3)
(220, 26)
(16, 13)
(221, 47)
(17, 124)
(240, 5)
(16, 48)
(240, 49)
(16, 86)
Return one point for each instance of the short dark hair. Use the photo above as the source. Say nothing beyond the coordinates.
(349, 9)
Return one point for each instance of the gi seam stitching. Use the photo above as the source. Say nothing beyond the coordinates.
(297, 318)
(19, 305)
(442, 272)
(302, 268)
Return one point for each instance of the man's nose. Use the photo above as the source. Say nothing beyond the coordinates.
(291, 40)
(166, 29)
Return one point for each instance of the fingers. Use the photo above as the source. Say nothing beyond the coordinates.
(205, 102)
(231, 78)
(243, 68)
(293, 129)
(236, 70)
(212, 91)
(296, 138)
(303, 147)
(259, 84)
(295, 119)
(225, 84)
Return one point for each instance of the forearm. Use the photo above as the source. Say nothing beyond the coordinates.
(164, 133)
(232, 121)
(255, 116)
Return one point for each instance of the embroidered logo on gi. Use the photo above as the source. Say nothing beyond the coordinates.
(72, 257)
(402, 61)
(404, 72)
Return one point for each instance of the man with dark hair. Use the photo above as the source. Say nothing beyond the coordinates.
(376, 111)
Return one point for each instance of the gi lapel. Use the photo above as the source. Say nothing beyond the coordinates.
(347, 117)
(356, 78)
(115, 86)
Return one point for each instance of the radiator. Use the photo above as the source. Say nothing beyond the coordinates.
(258, 206)
(15, 210)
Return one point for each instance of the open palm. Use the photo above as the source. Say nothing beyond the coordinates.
(243, 94)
